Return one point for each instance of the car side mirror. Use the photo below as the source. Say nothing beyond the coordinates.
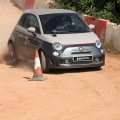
(32, 30)
(91, 26)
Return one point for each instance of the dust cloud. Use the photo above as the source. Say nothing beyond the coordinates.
(3, 48)
(5, 31)
(9, 15)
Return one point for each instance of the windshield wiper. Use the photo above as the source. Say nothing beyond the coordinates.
(63, 31)
(54, 32)
(78, 31)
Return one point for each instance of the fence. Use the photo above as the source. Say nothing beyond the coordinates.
(30, 4)
(100, 26)
(107, 32)
(113, 35)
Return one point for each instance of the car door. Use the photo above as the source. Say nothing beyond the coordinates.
(31, 41)
(20, 37)
(27, 40)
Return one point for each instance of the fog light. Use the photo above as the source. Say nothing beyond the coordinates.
(67, 61)
(56, 53)
(97, 60)
(102, 51)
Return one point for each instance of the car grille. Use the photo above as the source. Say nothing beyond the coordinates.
(80, 52)
(76, 50)
(62, 61)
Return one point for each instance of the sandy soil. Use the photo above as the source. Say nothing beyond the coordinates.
(9, 16)
(77, 94)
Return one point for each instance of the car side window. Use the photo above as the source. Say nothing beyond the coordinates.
(22, 20)
(31, 21)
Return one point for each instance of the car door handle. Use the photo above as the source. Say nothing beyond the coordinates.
(26, 38)
(28, 41)
(20, 35)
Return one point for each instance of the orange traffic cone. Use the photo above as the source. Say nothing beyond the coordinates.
(37, 69)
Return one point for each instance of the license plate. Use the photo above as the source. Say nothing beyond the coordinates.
(83, 58)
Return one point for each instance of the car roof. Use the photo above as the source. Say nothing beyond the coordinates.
(47, 11)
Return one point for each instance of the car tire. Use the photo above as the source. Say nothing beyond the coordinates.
(12, 59)
(44, 64)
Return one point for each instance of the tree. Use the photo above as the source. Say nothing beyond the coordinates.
(106, 9)
(68, 4)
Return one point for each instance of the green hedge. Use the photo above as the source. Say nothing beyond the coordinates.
(106, 9)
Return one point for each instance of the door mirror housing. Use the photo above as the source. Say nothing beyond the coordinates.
(32, 30)
(91, 26)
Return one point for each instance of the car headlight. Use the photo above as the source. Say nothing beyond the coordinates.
(57, 46)
(98, 44)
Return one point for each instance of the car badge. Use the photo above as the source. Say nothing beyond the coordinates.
(81, 49)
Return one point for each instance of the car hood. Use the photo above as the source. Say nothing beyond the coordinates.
(76, 38)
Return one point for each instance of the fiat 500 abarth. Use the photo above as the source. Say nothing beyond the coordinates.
(62, 38)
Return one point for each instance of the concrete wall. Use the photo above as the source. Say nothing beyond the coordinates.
(113, 35)
(43, 4)
(39, 4)
(110, 31)
(20, 3)
(28, 4)
(117, 38)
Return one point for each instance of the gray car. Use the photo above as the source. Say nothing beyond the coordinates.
(62, 37)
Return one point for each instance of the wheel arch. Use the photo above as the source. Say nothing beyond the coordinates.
(39, 50)
(44, 69)
(10, 42)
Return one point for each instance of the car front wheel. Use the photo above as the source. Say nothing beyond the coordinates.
(43, 60)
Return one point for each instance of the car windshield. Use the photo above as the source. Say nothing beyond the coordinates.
(63, 23)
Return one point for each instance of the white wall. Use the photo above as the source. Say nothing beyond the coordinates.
(113, 35)
(39, 4)
(117, 38)
(20, 3)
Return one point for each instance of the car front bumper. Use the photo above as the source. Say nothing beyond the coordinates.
(68, 62)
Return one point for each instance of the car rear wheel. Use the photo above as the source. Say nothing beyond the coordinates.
(11, 54)
(44, 65)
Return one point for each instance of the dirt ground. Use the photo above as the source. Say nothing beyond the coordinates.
(76, 94)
